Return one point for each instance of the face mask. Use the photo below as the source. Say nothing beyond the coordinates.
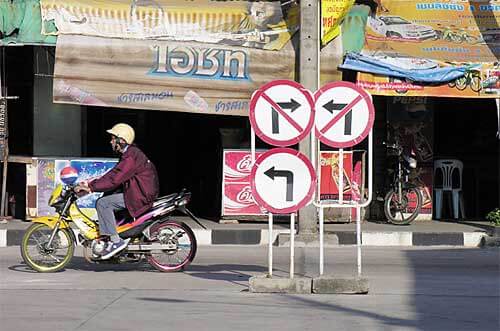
(117, 145)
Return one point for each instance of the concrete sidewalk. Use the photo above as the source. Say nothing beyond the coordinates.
(419, 233)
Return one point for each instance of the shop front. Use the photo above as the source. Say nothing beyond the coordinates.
(434, 67)
(164, 66)
(161, 66)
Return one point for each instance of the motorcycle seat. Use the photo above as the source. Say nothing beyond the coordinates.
(164, 199)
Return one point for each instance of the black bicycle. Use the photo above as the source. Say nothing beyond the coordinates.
(404, 200)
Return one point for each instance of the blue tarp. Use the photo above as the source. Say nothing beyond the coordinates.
(364, 63)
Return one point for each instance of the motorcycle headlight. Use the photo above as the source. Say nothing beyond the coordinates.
(411, 161)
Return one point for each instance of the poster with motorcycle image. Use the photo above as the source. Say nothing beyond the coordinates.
(410, 125)
(430, 35)
(48, 174)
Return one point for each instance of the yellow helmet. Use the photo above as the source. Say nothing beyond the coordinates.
(124, 131)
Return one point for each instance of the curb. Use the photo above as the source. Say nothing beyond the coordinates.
(345, 238)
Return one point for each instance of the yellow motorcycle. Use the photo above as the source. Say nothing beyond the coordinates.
(48, 244)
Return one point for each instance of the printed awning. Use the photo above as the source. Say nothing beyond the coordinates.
(425, 48)
(173, 75)
(255, 24)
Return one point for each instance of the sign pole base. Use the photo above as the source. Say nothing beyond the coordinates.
(264, 284)
(330, 285)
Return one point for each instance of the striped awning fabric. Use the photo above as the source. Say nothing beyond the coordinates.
(266, 25)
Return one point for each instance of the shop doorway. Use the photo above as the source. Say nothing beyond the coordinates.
(465, 129)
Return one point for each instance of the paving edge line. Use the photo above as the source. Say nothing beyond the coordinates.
(260, 237)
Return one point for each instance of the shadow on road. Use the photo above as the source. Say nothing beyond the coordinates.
(471, 295)
(234, 273)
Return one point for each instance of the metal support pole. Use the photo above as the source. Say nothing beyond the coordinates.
(252, 146)
(3, 206)
(498, 137)
(5, 156)
(341, 175)
(270, 250)
(321, 243)
(308, 76)
(358, 237)
(292, 244)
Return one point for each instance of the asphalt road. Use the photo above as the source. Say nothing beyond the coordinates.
(410, 289)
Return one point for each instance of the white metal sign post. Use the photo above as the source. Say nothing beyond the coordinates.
(344, 117)
(283, 180)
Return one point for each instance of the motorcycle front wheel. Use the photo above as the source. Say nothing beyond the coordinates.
(39, 256)
(403, 211)
(183, 246)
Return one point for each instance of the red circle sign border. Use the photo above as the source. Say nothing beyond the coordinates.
(301, 203)
(253, 121)
(371, 115)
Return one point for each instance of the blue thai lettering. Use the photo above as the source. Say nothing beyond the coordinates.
(440, 6)
(193, 62)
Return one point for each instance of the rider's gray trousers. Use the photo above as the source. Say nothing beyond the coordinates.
(106, 206)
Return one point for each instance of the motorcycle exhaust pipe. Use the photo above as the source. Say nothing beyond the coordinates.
(150, 247)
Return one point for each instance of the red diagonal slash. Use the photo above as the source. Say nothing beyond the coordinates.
(282, 113)
(341, 114)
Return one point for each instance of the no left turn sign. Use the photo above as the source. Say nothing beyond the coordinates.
(344, 114)
(282, 112)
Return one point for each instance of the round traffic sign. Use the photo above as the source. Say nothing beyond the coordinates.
(283, 180)
(282, 112)
(344, 114)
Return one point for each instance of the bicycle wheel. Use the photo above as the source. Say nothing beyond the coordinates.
(39, 256)
(461, 83)
(183, 246)
(405, 210)
(475, 84)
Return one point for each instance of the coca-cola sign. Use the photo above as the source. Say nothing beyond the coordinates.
(237, 198)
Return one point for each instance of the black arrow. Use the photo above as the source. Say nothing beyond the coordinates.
(292, 105)
(271, 173)
(331, 107)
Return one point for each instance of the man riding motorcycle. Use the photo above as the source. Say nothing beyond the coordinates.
(136, 174)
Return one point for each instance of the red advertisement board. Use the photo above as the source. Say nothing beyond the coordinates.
(329, 177)
(237, 198)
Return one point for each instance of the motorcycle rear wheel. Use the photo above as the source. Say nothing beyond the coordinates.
(41, 258)
(402, 213)
(179, 235)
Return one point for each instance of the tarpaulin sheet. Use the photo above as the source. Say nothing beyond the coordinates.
(255, 24)
(173, 76)
(381, 65)
(20, 22)
(451, 35)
